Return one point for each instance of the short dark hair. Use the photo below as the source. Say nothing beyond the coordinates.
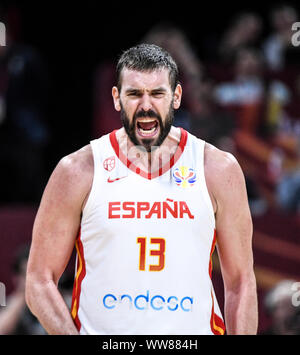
(147, 57)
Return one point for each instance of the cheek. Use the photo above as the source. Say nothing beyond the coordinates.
(128, 108)
(169, 108)
(129, 104)
(162, 107)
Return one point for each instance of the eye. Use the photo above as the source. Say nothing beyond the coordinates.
(158, 94)
(134, 94)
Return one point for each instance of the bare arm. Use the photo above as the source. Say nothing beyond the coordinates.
(55, 230)
(234, 240)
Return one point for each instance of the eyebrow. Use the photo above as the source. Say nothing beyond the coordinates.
(135, 91)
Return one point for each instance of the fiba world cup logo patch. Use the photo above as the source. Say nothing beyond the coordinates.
(109, 163)
(184, 176)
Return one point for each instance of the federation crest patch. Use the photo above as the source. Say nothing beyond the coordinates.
(109, 163)
(184, 176)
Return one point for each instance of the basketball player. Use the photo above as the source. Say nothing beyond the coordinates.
(145, 206)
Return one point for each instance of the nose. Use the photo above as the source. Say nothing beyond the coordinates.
(145, 102)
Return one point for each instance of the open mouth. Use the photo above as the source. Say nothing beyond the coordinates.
(147, 127)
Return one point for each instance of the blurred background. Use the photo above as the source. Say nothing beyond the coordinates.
(241, 79)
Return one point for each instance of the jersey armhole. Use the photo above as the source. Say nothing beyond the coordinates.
(206, 195)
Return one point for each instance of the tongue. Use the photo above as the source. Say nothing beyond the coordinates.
(147, 125)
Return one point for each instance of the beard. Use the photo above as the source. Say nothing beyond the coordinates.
(150, 143)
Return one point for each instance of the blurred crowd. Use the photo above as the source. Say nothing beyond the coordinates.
(24, 134)
(244, 99)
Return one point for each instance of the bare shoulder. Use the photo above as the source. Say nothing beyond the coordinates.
(72, 177)
(222, 172)
(217, 160)
(78, 162)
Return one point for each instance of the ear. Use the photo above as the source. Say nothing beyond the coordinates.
(177, 97)
(116, 98)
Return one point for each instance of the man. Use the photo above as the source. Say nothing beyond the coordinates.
(145, 205)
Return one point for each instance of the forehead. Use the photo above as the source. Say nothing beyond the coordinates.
(145, 79)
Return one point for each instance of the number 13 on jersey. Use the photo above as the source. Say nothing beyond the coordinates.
(145, 252)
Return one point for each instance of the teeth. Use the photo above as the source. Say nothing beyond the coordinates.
(149, 131)
(146, 120)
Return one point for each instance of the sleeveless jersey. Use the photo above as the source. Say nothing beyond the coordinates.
(145, 245)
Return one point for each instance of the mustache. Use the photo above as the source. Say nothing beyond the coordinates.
(150, 113)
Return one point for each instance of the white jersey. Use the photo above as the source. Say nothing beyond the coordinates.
(145, 245)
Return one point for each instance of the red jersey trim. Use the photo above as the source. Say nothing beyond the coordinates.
(216, 323)
(137, 170)
(80, 274)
